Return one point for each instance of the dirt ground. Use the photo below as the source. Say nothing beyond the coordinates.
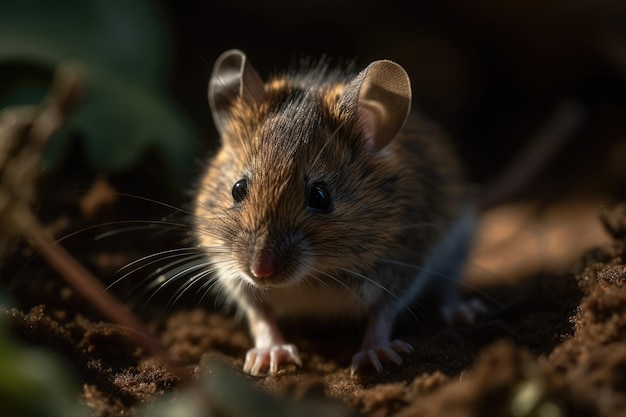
(552, 343)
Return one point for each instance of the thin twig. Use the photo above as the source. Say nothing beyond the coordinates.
(17, 178)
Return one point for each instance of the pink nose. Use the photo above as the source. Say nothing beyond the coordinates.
(263, 265)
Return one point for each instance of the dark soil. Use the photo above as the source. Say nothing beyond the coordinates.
(560, 335)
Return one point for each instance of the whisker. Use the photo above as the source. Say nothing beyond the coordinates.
(207, 287)
(382, 287)
(174, 266)
(190, 283)
(371, 281)
(148, 224)
(157, 202)
(447, 277)
(182, 251)
(209, 222)
(167, 272)
(159, 284)
(159, 277)
(171, 226)
(226, 229)
(155, 261)
(343, 284)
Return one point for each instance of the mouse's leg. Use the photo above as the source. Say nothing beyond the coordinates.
(446, 264)
(270, 349)
(377, 346)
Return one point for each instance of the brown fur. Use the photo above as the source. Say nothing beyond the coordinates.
(388, 205)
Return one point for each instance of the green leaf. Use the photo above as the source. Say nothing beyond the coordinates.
(121, 122)
(126, 38)
(122, 48)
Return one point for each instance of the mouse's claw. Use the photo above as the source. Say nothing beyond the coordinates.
(266, 360)
(375, 356)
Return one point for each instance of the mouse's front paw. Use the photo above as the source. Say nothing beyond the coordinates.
(375, 356)
(263, 361)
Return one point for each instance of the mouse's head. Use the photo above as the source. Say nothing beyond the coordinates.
(304, 184)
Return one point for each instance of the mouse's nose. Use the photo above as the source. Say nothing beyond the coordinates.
(263, 264)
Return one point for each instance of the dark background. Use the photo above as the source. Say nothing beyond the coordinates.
(491, 72)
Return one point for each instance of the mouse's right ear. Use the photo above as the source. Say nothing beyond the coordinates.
(380, 98)
(232, 77)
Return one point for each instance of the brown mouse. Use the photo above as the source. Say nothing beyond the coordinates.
(329, 197)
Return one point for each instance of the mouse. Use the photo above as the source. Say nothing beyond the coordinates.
(329, 197)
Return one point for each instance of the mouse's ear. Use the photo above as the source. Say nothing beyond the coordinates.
(380, 96)
(232, 77)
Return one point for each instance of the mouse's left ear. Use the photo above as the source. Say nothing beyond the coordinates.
(232, 77)
(380, 96)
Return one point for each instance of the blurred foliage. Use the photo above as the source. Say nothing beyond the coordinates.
(122, 49)
(33, 382)
(222, 391)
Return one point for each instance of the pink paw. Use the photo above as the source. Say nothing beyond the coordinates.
(263, 361)
(463, 312)
(372, 357)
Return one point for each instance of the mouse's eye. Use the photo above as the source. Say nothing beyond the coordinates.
(240, 190)
(319, 198)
